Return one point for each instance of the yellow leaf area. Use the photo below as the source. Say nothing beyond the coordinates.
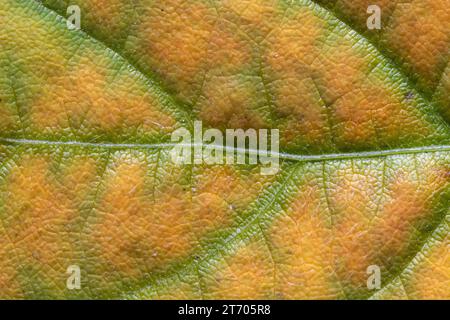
(86, 176)
(415, 33)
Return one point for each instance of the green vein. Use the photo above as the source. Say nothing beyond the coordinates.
(402, 72)
(267, 206)
(264, 209)
(167, 100)
(441, 227)
(392, 59)
(280, 155)
(313, 5)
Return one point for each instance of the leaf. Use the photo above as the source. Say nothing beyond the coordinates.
(86, 177)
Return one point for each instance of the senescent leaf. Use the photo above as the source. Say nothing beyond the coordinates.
(87, 179)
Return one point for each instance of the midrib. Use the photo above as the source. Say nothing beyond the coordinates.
(280, 155)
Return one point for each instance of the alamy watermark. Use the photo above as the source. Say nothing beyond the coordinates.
(374, 20)
(234, 146)
(74, 279)
(74, 17)
(374, 279)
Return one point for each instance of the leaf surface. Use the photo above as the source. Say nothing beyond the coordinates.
(86, 177)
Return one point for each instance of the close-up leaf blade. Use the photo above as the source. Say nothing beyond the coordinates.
(86, 176)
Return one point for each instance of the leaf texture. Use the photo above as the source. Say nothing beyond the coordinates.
(86, 177)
